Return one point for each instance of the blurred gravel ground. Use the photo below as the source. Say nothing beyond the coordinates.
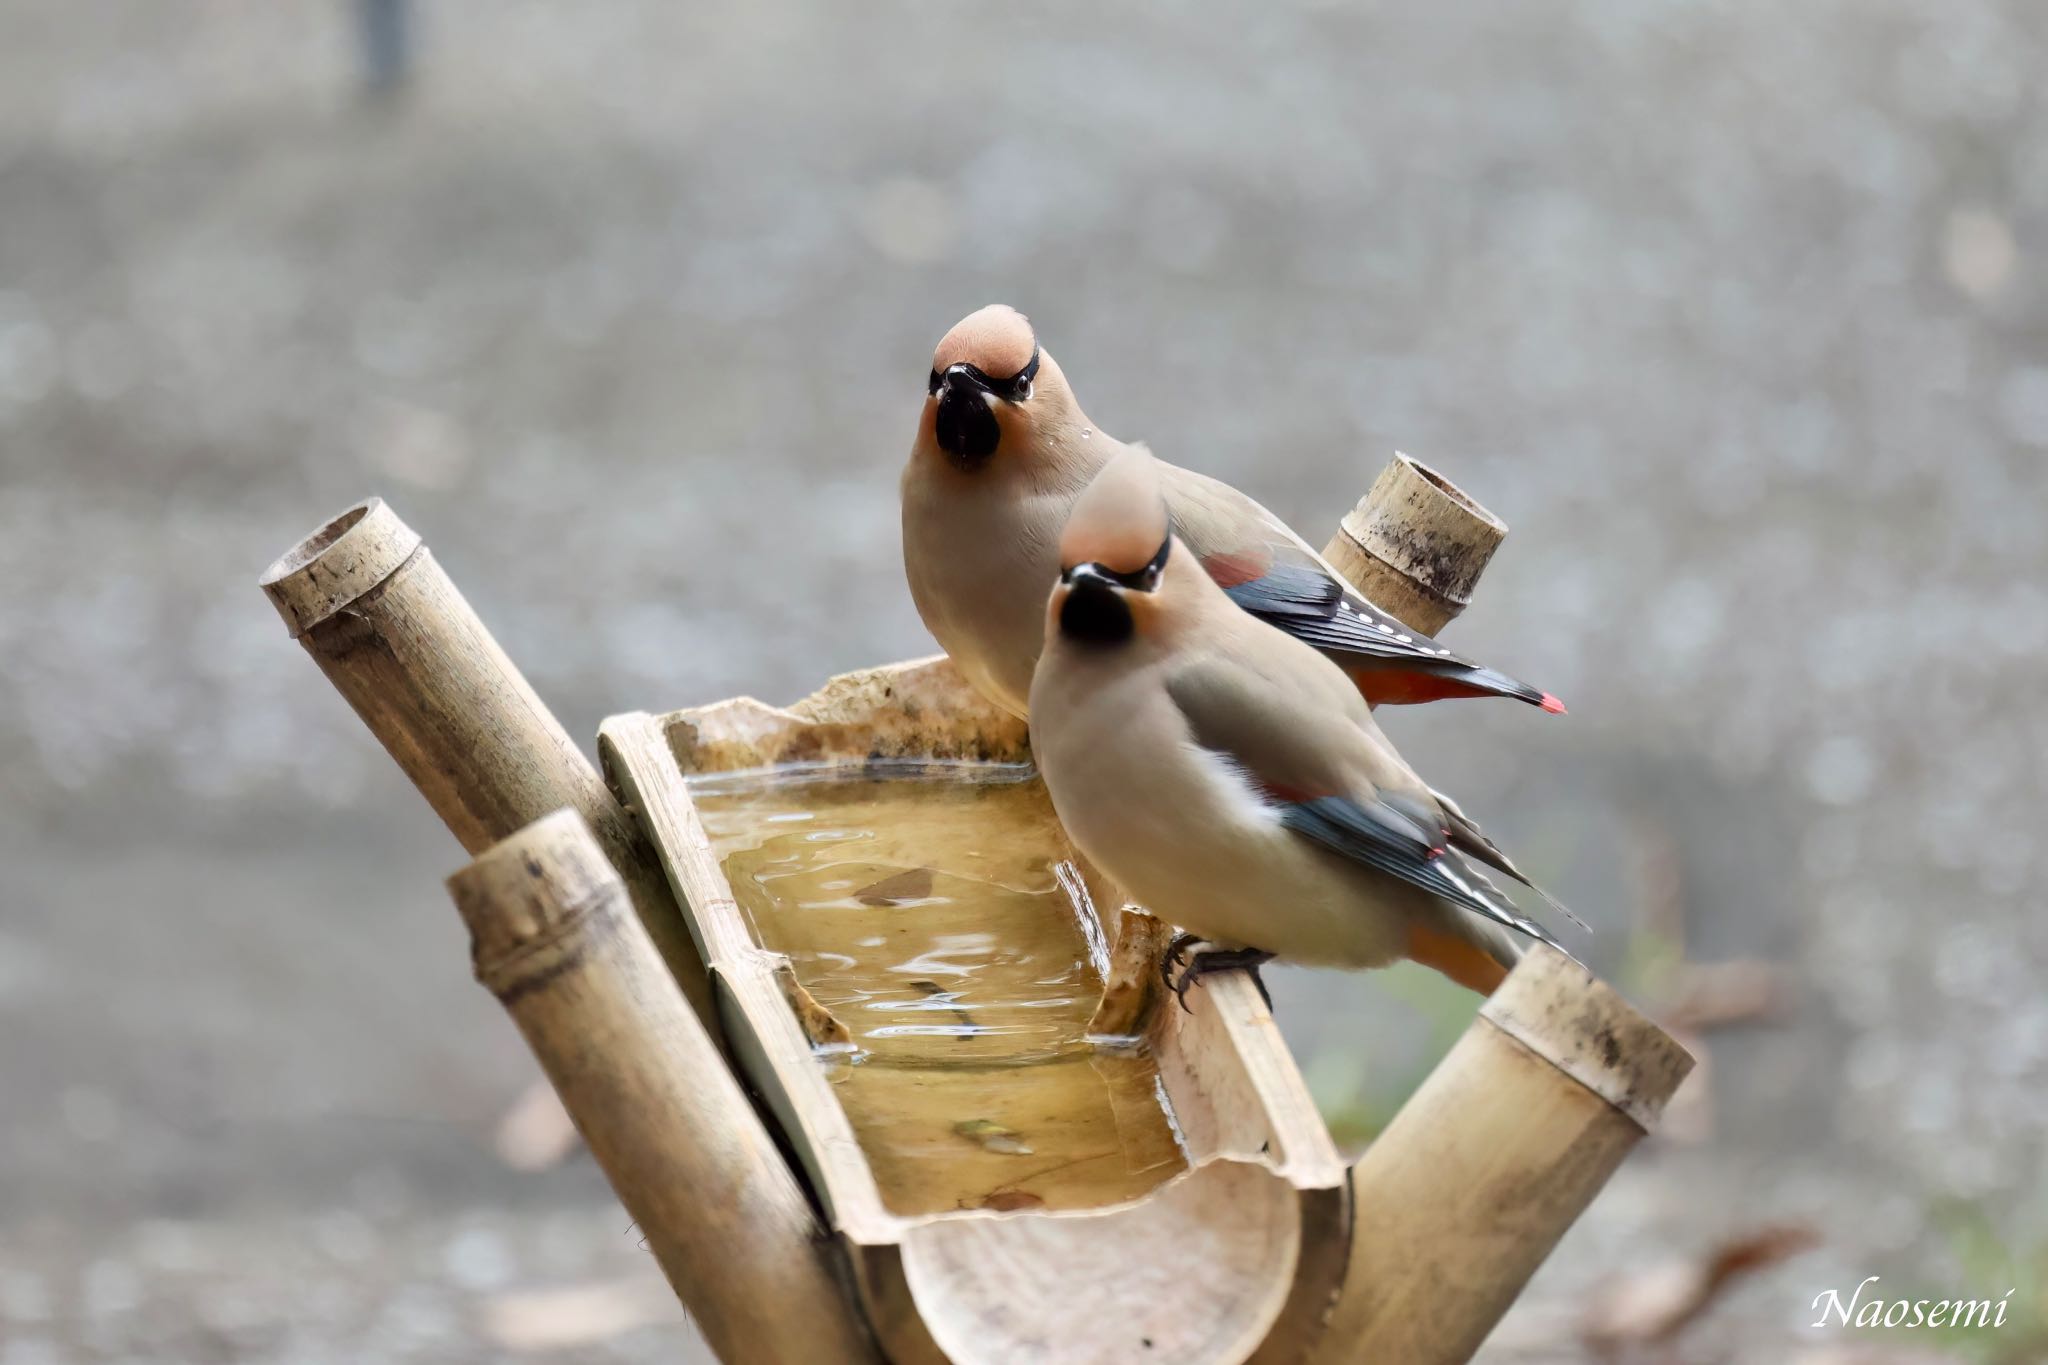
(1733, 310)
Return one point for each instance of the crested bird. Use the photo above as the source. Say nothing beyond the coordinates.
(1231, 777)
(1002, 452)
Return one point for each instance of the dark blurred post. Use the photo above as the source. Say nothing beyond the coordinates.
(385, 27)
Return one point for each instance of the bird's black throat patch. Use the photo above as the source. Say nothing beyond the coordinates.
(1096, 614)
(965, 427)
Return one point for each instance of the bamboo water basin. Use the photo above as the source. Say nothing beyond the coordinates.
(906, 957)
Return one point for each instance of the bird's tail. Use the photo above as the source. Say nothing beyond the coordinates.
(1404, 684)
(1470, 840)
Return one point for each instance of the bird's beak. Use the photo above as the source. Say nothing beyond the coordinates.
(965, 425)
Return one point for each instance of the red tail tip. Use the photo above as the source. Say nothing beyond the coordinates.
(1553, 705)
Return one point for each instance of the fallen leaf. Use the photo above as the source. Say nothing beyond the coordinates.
(1655, 1305)
(1009, 1201)
(913, 885)
(1709, 995)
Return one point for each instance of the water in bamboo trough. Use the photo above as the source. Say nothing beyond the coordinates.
(909, 959)
(937, 912)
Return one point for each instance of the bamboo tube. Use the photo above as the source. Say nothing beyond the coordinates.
(1479, 1175)
(1486, 1166)
(554, 938)
(375, 610)
(1415, 545)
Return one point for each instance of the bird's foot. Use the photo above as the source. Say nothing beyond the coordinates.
(1196, 958)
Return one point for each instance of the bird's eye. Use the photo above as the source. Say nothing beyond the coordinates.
(933, 387)
(1020, 387)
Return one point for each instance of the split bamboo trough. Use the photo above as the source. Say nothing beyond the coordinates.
(874, 1059)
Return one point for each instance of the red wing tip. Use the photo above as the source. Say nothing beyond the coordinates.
(1553, 705)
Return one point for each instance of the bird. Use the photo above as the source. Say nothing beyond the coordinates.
(1233, 780)
(1002, 452)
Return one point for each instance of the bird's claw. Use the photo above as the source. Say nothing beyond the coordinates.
(1197, 959)
(1176, 955)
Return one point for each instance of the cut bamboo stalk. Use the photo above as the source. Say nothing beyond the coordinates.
(1415, 545)
(389, 629)
(554, 937)
(1485, 1167)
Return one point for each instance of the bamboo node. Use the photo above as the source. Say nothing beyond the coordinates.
(532, 906)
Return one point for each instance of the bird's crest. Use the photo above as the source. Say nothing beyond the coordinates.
(1121, 520)
(996, 340)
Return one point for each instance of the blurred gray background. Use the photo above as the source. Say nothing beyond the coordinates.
(1734, 311)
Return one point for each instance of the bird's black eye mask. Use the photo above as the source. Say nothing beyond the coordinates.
(1015, 389)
